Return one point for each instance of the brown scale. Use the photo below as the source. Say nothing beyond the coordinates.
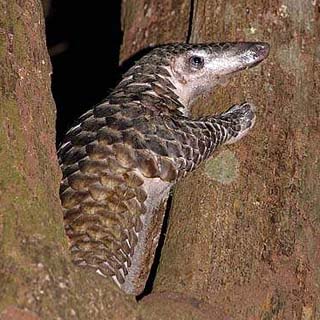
(122, 149)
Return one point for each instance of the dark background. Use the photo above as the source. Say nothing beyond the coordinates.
(84, 40)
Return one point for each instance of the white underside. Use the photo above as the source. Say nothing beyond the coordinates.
(157, 190)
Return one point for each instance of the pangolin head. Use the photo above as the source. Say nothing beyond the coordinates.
(180, 73)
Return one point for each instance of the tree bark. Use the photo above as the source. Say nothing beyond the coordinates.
(37, 279)
(243, 233)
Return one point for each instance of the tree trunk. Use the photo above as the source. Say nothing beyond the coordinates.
(37, 279)
(243, 231)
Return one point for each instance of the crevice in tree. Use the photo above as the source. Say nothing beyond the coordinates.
(149, 285)
(190, 24)
(84, 45)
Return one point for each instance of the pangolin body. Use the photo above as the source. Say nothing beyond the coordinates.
(121, 159)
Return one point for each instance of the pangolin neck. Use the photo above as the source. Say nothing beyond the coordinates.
(152, 90)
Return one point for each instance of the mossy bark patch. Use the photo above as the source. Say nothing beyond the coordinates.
(223, 168)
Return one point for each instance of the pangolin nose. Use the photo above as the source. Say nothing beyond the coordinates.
(261, 49)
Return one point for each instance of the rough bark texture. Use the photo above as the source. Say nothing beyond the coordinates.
(151, 22)
(243, 232)
(37, 280)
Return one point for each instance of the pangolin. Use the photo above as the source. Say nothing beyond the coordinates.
(123, 156)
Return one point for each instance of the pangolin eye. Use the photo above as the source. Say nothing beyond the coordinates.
(196, 62)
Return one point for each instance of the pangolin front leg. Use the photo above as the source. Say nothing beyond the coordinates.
(125, 154)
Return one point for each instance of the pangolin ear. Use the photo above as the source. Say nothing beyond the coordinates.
(176, 70)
